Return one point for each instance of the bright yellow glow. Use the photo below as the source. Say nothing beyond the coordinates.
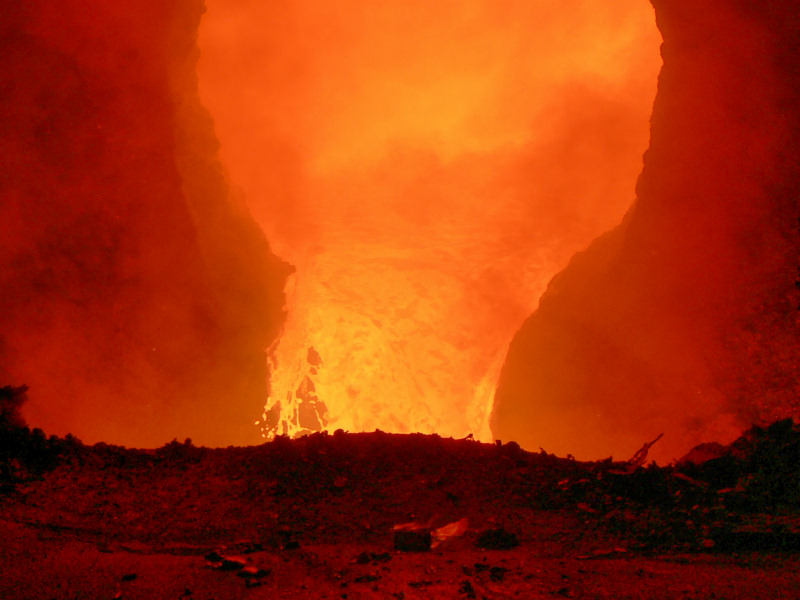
(427, 167)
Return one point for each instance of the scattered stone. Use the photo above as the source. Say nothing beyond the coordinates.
(289, 540)
(253, 572)
(755, 541)
(497, 539)
(455, 529)
(703, 453)
(412, 541)
(233, 563)
(366, 558)
(690, 480)
(467, 589)
(412, 537)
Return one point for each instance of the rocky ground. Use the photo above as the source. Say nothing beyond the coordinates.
(317, 517)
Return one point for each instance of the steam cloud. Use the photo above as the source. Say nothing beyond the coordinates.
(427, 167)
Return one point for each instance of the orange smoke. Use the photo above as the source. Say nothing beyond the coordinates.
(427, 167)
(137, 297)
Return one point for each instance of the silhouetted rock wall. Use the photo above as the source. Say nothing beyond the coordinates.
(684, 319)
(138, 296)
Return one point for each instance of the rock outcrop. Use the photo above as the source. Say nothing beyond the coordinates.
(138, 296)
(684, 319)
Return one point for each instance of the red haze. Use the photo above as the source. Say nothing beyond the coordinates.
(427, 167)
(683, 320)
(131, 304)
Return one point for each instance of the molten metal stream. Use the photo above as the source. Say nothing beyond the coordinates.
(427, 168)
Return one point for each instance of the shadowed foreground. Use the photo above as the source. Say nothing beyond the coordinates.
(314, 518)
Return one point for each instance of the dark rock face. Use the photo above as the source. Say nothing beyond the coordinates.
(684, 319)
(138, 296)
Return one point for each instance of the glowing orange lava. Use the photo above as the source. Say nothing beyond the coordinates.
(427, 168)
